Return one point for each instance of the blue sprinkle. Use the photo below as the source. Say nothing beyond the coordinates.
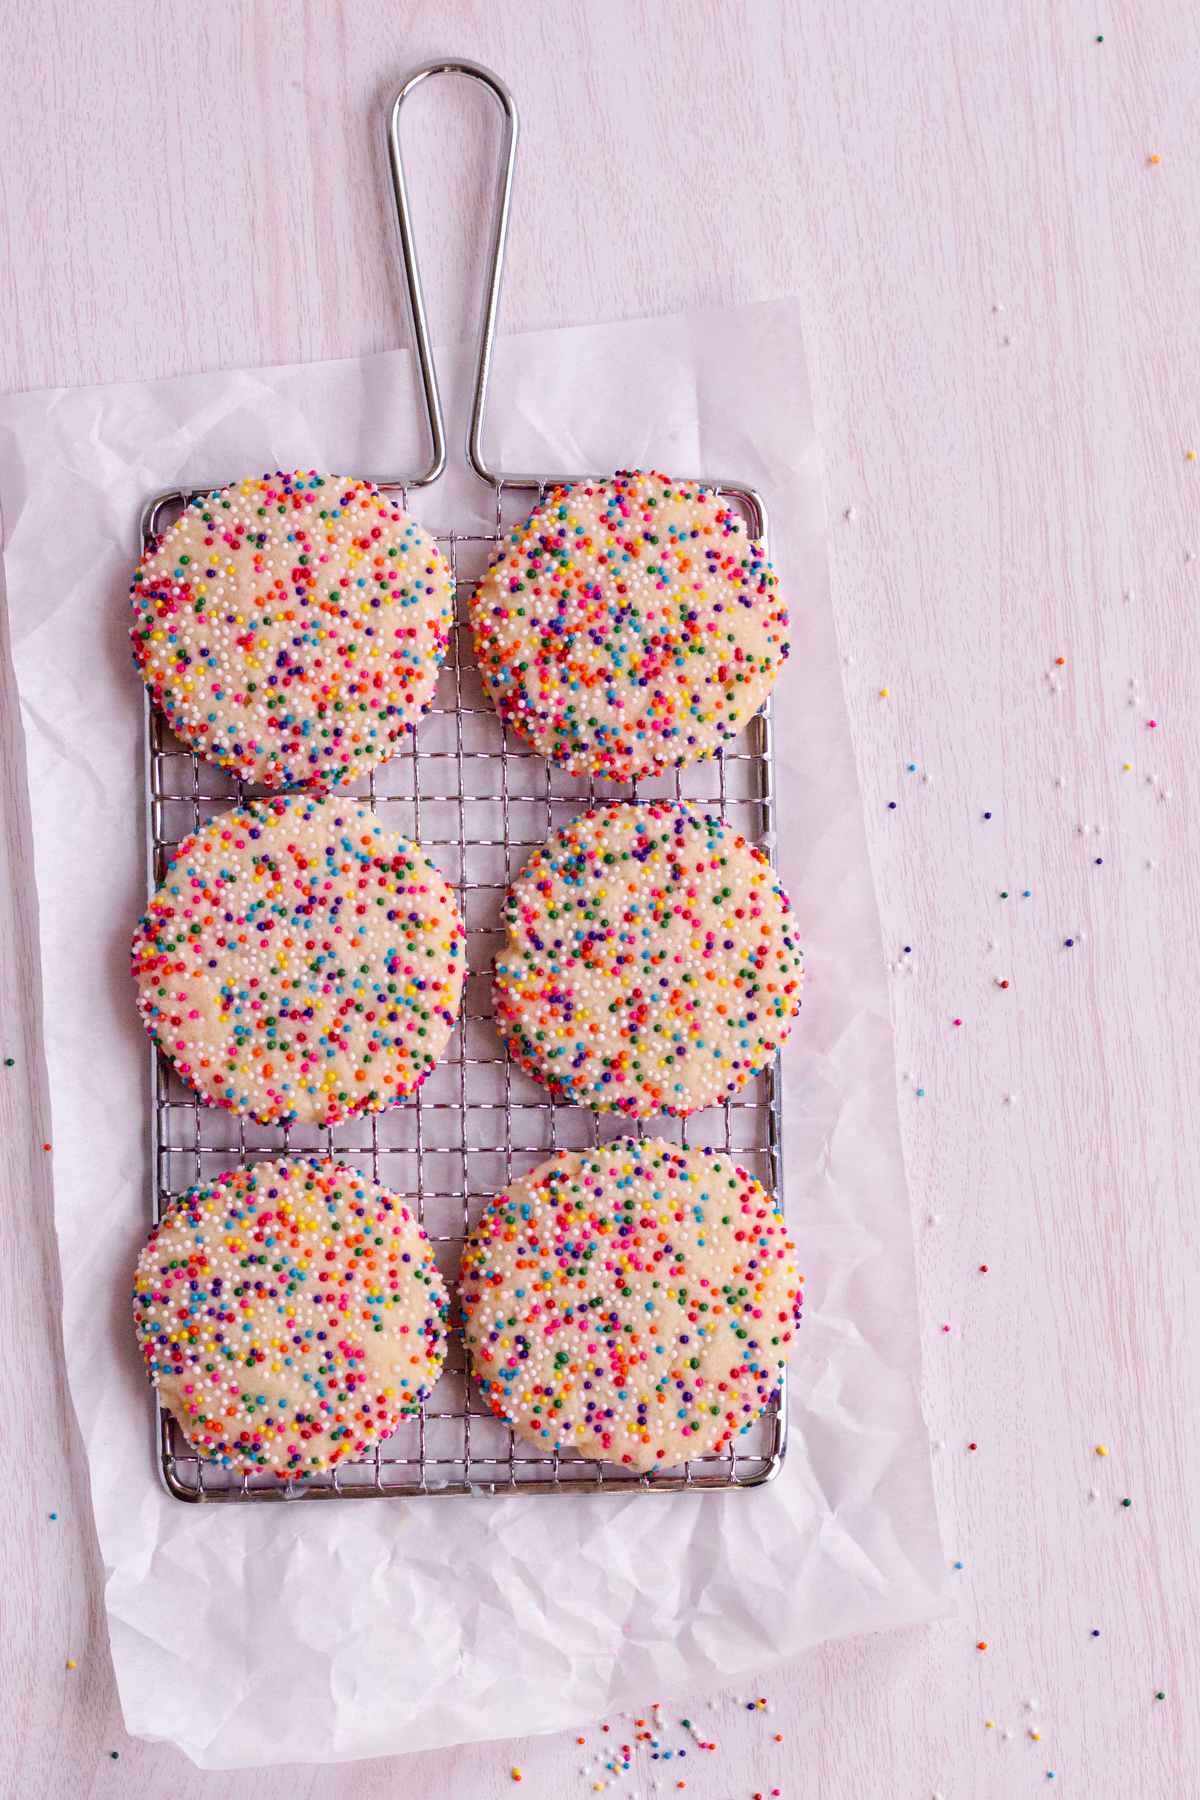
(54, 1515)
(1070, 942)
(987, 815)
(891, 806)
(920, 1093)
(958, 1565)
(912, 768)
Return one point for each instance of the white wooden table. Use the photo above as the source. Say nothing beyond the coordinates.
(1002, 293)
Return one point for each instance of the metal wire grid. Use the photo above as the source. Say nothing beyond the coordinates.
(478, 802)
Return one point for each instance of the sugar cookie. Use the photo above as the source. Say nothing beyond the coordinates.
(651, 963)
(290, 1315)
(300, 961)
(291, 629)
(635, 1304)
(629, 626)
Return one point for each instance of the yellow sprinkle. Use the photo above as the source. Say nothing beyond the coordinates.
(1128, 766)
(70, 1665)
(1154, 159)
(883, 693)
(1191, 456)
(1100, 1450)
(1036, 1736)
(989, 1723)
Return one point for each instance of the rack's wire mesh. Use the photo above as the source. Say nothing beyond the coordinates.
(478, 802)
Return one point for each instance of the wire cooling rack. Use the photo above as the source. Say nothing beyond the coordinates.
(478, 802)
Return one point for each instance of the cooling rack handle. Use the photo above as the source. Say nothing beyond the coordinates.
(495, 273)
(751, 501)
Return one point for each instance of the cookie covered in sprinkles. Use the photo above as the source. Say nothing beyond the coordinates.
(651, 962)
(634, 1304)
(290, 1316)
(291, 629)
(630, 626)
(300, 961)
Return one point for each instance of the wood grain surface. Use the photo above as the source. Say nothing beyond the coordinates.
(991, 219)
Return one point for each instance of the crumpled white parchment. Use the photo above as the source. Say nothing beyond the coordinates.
(330, 1632)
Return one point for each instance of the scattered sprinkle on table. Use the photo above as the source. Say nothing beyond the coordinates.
(891, 806)
(1127, 1503)
(982, 1644)
(1095, 1634)
(1100, 1450)
(1160, 1695)
(958, 1565)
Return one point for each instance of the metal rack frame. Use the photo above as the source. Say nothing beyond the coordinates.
(479, 802)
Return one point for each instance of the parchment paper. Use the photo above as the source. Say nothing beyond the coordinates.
(346, 1630)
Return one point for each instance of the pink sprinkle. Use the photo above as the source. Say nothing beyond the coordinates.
(945, 1328)
(1153, 723)
(958, 1021)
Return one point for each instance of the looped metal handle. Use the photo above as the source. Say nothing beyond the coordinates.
(491, 302)
(416, 300)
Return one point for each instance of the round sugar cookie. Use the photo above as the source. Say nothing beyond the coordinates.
(290, 1315)
(300, 961)
(630, 626)
(635, 1303)
(291, 629)
(651, 963)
